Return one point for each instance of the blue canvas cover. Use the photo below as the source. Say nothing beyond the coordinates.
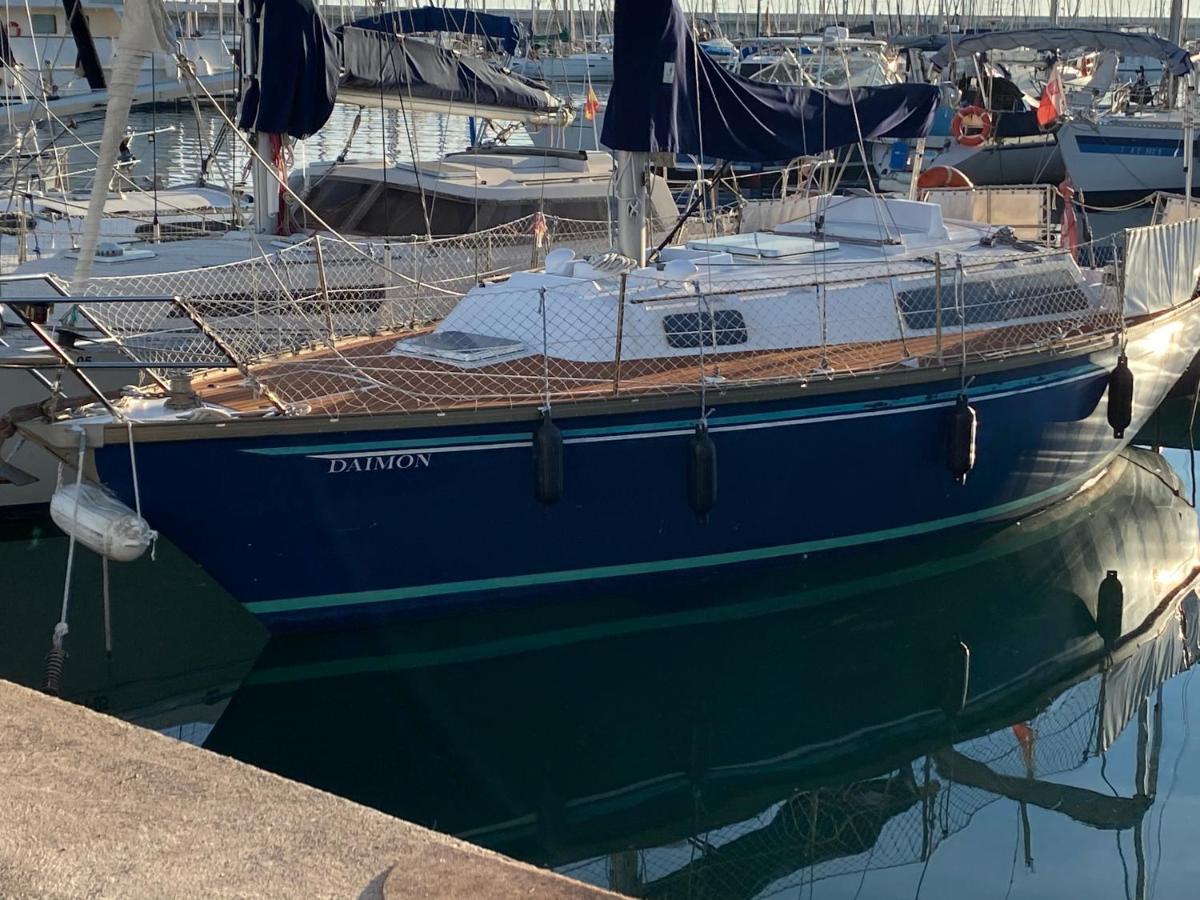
(377, 61)
(669, 97)
(297, 75)
(502, 31)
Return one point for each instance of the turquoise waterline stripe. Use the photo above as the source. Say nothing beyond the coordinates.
(708, 615)
(717, 421)
(653, 567)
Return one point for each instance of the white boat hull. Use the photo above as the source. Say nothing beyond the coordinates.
(578, 68)
(1123, 156)
(19, 388)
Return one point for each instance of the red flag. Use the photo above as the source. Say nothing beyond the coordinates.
(591, 105)
(1026, 739)
(538, 228)
(1053, 102)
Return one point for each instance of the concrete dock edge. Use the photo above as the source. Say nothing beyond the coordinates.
(93, 807)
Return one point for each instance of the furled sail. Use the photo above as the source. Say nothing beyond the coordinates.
(381, 68)
(296, 79)
(502, 32)
(668, 96)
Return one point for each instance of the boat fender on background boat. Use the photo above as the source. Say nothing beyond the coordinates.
(547, 461)
(1120, 397)
(1110, 608)
(102, 522)
(702, 472)
(964, 425)
(944, 177)
(958, 677)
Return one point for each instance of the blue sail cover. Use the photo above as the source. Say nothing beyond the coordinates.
(297, 76)
(669, 97)
(501, 31)
(414, 69)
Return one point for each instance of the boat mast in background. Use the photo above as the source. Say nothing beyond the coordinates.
(89, 59)
(1174, 33)
(141, 34)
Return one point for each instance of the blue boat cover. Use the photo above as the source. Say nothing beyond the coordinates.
(380, 62)
(502, 32)
(1174, 58)
(297, 74)
(669, 97)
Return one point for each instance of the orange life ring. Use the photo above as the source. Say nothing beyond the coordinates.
(943, 177)
(14, 29)
(971, 126)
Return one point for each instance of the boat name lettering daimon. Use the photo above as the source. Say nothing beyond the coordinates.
(400, 462)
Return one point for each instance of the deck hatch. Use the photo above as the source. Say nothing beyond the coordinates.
(461, 347)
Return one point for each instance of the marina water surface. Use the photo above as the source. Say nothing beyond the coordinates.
(1008, 707)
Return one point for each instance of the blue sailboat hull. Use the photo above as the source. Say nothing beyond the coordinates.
(319, 520)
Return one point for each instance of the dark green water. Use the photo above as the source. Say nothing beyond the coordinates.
(802, 733)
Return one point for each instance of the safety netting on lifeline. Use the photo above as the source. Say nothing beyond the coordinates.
(341, 327)
(295, 292)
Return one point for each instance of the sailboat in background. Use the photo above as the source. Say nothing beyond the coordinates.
(56, 50)
(1106, 136)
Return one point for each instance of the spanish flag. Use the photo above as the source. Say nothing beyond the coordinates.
(591, 105)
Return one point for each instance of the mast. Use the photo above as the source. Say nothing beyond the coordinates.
(632, 168)
(266, 197)
(89, 60)
(1174, 32)
(140, 36)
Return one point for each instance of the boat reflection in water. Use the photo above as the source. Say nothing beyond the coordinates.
(180, 645)
(738, 746)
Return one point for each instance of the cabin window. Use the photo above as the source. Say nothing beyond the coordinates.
(44, 23)
(995, 299)
(722, 328)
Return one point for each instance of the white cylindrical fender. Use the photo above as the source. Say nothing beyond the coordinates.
(102, 522)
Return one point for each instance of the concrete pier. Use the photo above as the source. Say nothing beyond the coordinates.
(93, 807)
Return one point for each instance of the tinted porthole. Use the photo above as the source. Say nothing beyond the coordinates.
(722, 328)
